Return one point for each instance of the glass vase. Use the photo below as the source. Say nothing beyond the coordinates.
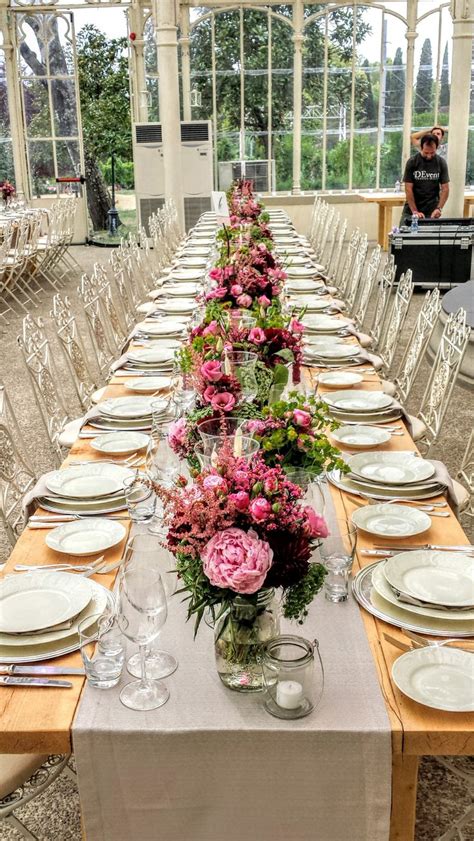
(240, 635)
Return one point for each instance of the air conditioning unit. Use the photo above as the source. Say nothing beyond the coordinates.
(262, 173)
(196, 168)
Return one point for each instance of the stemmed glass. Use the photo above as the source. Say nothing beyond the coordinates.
(141, 614)
(147, 550)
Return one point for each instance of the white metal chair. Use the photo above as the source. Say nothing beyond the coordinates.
(342, 279)
(351, 289)
(104, 348)
(396, 316)
(382, 301)
(367, 286)
(17, 475)
(74, 352)
(434, 404)
(22, 778)
(417, 344)
(466, 473)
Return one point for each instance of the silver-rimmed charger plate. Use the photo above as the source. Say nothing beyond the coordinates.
(345, 484)
(370, 600)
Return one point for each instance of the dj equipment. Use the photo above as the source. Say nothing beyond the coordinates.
(439, 254)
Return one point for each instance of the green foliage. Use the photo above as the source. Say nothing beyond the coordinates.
(395, 91)
(299, 596)
(424, 80)
(123, 173)
(445, 88)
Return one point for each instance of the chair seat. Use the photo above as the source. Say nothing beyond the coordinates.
(70, 433)
(16, 769)
(146, 308)
(364, 339)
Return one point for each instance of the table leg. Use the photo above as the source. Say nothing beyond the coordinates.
(381, 225)
(404, 782)
(387, 225)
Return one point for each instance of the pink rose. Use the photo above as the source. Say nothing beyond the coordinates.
(296, 326)
(260, 509)
(211, 329)
(215, 274)
(256, 427)
(257, 336)
(209, 393)
(316, 525)
(214, 482)
(224, 401)
(236, 290)
(301, 418)
(241, 477)
(237, 560)
(264, 301)
(212, 371)
(244, 301)
(241, 500)
(177, 433)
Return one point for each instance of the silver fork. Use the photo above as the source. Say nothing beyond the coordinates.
(129, 462)
(61, 567)
(428, 508)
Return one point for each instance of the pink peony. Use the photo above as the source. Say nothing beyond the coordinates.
(260, 509)
(241, 500)
(224, 401)
(236, 290)
(316, 525)
(257, 427)
(177, 433)
(257, 336)
(209, 393)
(212, 371)
(237, 560)
(301, 418)
(214, 482)
(244, 301)
(211, 329)
(264, 301)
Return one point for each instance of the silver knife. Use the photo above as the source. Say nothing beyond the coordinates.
(468, 547)
(35, 681)
(40, 670)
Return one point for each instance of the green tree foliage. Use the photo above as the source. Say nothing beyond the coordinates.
(424, 80)
(444, 93)
(395, 91)
(370, 115)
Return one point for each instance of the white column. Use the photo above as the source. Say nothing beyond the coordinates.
(298, 38)
(184, 42)
(411, 35)
(136, 20)
(463, 15)
(164, 12)
(7, 22)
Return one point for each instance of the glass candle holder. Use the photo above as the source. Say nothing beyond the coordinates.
(288, 673)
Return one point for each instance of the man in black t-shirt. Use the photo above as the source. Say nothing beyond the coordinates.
(426, 182)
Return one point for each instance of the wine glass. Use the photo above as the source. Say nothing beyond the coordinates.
(141, 614)
(146, 548)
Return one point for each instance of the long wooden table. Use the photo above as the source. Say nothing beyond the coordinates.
(40, 720)
(387, 201)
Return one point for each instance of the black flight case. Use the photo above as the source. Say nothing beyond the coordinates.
(439, 254)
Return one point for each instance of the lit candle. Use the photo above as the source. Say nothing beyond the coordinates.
(289, 694)
(227, 365)
(238, 443)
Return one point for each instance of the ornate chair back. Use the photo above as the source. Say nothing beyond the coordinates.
(417, 344)
(74, 352)
(382, 300)
(395, 320)
(17, 475)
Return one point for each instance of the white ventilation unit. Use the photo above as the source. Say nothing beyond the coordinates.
(196, 167)
(262, 173)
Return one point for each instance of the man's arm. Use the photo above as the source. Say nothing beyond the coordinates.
(417, 135)
(411, 199)
(443, 198)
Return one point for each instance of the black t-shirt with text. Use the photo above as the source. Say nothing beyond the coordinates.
(426, 177)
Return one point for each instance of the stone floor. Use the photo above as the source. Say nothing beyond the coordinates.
(55, 815)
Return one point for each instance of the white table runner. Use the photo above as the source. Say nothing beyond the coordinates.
(212, 764)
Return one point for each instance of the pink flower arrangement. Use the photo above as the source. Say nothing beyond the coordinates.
(237, 560)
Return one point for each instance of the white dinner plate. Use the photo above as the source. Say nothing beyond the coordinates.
(130, 407)
(36, 600)
(186, 274)
(333, 352)
(146, 384)
(391, 468)
(94, 508)
(384, 589)
(86, 537)
(394, 521)
(151, 355)
(437, 676)
(344, 483)
(165, 328)
(340, 379)
(88, 481)
(182, 290)
(359, 401)
(178, 305)
(114, 425)
(323, 323)
(301, 271)
(360, 437)
(301, 287)
(445, 578)
(120, 443)
(316, 304)
(99, 598)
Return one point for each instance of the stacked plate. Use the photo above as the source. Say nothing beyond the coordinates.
(40, 614)
(391, 521)
(159, 359)
(421, 590)
(176, 306)
(301, 271)
(311, 304)
(86, 489)
(330, 352)
(181, 290)
(127, 413)
(359, 406)
(167, 328)
(325, 323)
(384, 476)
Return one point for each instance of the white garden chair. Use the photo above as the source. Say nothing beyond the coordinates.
(17, 475)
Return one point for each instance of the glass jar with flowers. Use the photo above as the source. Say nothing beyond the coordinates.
(239, 533)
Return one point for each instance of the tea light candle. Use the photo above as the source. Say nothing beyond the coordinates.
(238, 443)
(289, 694)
